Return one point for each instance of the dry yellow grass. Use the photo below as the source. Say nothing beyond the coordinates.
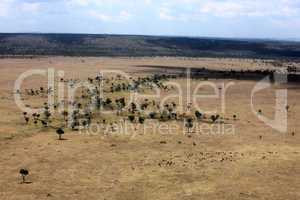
(239, 166)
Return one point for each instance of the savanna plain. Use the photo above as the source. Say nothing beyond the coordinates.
(236, 155)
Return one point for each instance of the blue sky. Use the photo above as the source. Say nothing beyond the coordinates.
(220, 18)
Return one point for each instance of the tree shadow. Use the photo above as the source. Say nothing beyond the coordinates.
(26, 182)
(62, 139)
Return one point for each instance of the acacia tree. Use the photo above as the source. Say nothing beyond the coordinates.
(24, 173)
(133, 108)
(120, 105)
(214, 118)
(198, 115)
(152, 115)
(131, 118)
(26, 117)
(65, 115)
(141, 120)
(60, 132)
(108, 103)
(189, 124)
(234, 117)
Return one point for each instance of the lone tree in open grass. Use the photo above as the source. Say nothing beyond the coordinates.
(189, 124)
(60, 132)
(24, 173)
(234, 117)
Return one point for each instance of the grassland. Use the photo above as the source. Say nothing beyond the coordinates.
(256, 162)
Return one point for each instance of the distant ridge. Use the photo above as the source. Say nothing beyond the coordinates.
(59, 44)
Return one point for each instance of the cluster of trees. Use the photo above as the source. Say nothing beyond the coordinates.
(36, 118)
(87, 106)
(37, 92)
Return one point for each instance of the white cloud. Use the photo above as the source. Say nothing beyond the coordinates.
(164, 13)
(11, 7)
(222, 8)
(251, 8)
(121, 17)
(148, 2)
(30, 7)
(5, 6)
(79, 2)
(228, 8)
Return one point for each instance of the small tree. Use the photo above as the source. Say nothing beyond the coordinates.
(65, 114)
(198, 115)
(141, 120)
(133, 107)
(189, 124)
(108, 101)
(27, 120)
(287, 108)
(44, 123)
(259, 111)
(131, 118)
(24, 173)
(214, 118)
(152, 115)
(120, 105)
(60, 132)
(25, 117)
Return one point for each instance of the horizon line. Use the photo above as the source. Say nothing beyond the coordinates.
(157, 35)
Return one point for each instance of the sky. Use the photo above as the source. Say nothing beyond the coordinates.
(207, 18)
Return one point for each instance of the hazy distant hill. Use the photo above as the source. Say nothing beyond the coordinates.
(127, 45)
